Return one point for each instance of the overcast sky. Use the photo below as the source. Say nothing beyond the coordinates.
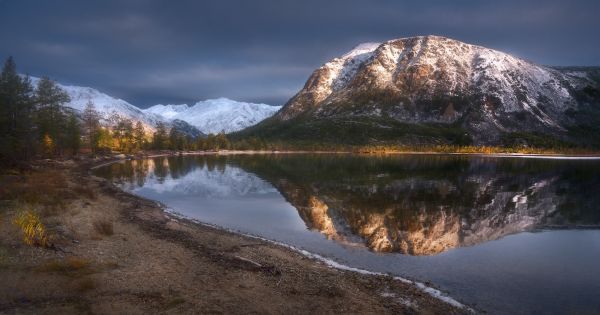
(150, 52)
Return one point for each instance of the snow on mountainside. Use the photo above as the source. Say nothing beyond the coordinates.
(205, 182)
(167, 111)
(216, 115)
(106, 105)
(210, 116)
(437, 80)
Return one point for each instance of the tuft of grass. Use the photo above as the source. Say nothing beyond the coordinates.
(34, 231)
(104, 227)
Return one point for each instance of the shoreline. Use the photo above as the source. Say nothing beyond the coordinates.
(288, 152)
(149, 261)
(432, 291)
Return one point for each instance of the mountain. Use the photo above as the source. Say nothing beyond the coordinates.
(106, 105)
(431, 89)
(210, 116)
(216, 115)
(167, 111)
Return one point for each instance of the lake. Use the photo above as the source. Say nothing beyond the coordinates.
(505, 235)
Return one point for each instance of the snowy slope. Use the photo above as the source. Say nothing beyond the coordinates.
(167, 111)
(106, 105)
(216, 115)
(433, 79)
(210, 116)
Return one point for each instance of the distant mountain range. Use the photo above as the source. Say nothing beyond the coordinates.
(435, 90)
(204, 117)
(216, 115)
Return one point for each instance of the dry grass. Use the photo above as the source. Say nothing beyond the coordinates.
(104, 227)
(34, 231)
(47, 190)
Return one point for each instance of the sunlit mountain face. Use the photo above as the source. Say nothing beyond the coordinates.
(415, 205)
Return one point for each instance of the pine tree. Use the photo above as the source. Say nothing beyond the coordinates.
(175, 142)
(50, 117)
(159, 139)
(139, 135)
(91, 126)
(73, 134)
(15, 115)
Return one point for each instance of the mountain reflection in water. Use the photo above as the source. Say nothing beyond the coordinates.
(411, 204)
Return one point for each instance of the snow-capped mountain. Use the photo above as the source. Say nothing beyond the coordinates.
(105, 105)
(216, 115)
(431, 80)
(210, 116)
(167, 111)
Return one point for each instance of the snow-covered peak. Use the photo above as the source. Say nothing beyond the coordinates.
(223, 114)
(360, 49)
(340, 71)
(397, 78)
(168, 111)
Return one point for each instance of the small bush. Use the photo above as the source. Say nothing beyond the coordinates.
(104, 227)
(34, 232)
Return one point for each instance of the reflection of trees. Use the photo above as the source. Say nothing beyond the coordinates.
(135, 172)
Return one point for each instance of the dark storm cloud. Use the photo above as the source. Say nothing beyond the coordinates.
(151, 52)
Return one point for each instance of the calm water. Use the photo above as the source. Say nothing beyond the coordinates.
(507, 235)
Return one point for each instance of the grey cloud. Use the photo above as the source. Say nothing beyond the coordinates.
(151, 51)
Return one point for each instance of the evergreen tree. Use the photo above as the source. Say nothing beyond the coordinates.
(139, 135)
(159, 139)
(16, 106)
(50, 117)
(73, 134)
(221, 142)
(91, 126)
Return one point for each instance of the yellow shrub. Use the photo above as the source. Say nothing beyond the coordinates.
(48, 145)
(34, 232)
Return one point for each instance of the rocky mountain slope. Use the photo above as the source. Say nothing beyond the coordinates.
(431, 89)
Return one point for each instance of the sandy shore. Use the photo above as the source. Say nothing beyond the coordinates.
(117, 253)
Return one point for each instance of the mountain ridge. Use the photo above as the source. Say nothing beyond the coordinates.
(443, 86)
(217, 115)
